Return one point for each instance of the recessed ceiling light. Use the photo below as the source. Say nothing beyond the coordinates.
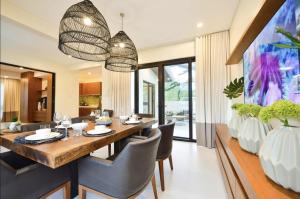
(87, 21)
(89, 73)
(69, 56)
(199, 25)
(21, 68)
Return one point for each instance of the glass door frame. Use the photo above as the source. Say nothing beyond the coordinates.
(161, 90)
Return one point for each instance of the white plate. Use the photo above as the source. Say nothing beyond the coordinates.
(36, 137)
(132, 122)
(62, 127)
(98, 132)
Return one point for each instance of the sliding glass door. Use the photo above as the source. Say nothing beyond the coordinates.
(166, 90)
(176, 95)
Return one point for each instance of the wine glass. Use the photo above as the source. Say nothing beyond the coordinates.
(66, 122)
(57, 119)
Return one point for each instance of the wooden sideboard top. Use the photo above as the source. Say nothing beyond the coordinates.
(247, 166)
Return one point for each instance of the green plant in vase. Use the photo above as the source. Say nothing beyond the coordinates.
(283, 110)
(235, 121)
(235, 88)
(252, 131)
(281, 148)
(249, 110)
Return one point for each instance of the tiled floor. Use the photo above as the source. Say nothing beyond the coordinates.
(196, 175)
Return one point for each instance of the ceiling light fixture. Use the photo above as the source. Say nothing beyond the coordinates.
(199, 25)
(83, 33)
(21, 68)
(87, 21)
(123, 54)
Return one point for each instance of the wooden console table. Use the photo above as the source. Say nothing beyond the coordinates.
(242, 173)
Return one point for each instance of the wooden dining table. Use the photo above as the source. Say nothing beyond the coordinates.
(63, 152)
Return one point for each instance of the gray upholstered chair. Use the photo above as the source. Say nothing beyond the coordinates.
(80, 119)
(35, 126)
(23, 178)
(164, 149)
(126, 176)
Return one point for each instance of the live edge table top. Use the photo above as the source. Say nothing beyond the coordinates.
(61, 152)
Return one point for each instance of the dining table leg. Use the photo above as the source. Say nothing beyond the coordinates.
(74, 178)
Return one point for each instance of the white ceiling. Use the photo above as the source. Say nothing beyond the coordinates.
(148, 23)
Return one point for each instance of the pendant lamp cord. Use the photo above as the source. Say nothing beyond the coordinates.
(122, 15)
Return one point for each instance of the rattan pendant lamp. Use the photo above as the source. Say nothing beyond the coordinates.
(123, 54)
(83, 33)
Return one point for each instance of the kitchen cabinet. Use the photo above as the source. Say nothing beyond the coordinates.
(92, 88)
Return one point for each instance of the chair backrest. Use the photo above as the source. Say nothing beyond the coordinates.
(166, 141)
(35, 126)
(143, 115)
(80, 119)
(136, 163)
(110, 112)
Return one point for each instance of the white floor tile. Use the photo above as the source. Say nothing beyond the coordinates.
(196, 175)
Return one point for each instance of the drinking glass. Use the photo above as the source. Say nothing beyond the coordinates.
(66, 122)
(57, 119)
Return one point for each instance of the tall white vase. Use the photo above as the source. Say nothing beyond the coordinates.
(234, 124)
(280, 157)
(252, 134)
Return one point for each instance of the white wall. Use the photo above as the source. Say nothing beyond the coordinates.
(245, 14)
(181, 50)
(66, 84)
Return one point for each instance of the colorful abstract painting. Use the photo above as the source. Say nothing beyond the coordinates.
(273, 73)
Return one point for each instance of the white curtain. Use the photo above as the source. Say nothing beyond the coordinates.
(212, 75)
(116, 92)
(10, 98)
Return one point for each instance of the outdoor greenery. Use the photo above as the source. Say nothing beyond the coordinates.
(174, 92)
(295, 41)
(235, 88)
(281, 110)
(249, 110)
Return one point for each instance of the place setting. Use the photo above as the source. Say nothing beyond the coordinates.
(133, 120)
(43, 135)
(99, 130)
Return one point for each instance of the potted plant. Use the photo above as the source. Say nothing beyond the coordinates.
(232, 91)
(235, 121)
(280, 153)
(252, 132)
(15, 125)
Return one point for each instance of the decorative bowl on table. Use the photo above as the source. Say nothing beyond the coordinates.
(104, 120)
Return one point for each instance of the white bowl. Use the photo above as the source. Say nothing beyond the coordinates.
(42, 132)
(123, 117)
(100, 127)
(79, 126)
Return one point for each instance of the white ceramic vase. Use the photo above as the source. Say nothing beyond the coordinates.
(280, 157)
(252, 134)
(234, 124)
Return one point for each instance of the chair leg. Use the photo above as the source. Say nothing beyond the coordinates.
(81, 192)
(67, 191)
(171, 162)
(161, 174)
(109, 150)
(154, 187)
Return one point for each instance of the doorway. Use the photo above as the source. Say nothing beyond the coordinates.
(167, 90)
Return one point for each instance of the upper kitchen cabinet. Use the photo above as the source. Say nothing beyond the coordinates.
(92, 88)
